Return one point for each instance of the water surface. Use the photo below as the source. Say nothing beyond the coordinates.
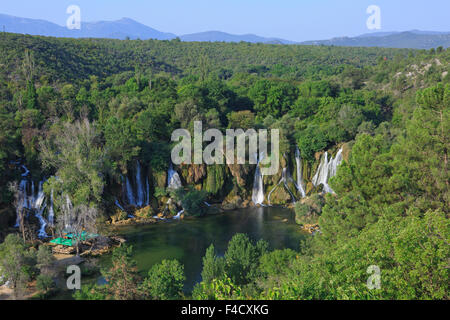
(187, 240)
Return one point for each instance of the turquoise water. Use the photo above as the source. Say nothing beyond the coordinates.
(187, 240)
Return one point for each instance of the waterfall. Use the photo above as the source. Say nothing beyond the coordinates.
(178, 216)
(173, 179)
(22, 201)
(147, 187)
(139, 196)
(39, 199)
(326, 170)
(31, 198)
(129, 190)
(39, 207)
(26, 171)
(33, 202)
(42, 233)
(140, 189)
(68, 209)
(119, 206)
(51, 213)
(258, 184)
(298, 162)
(284, 175)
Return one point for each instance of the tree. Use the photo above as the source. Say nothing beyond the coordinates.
(213, 266)
(16, 263)
(349, 119)
(79, 221)
(164, 281)
(241, 120)
(18, 204)
(123, 277)
(121, 143)
(75, 152)
(242, 258)
(310, 141)
(192, 200)
(44, 259)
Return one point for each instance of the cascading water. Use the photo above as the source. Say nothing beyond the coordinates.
(140, 189)
(284, 175)
(129, 190)
(178, 216)
(32, 201)
(326, 170)
(147, 187)
(39, 207)
(119, 206)
(173, 179)
(22, 201)
(68, 209)
(258, 184)
(51, 213)
(26, 171)
(135, 194)
(300, 185)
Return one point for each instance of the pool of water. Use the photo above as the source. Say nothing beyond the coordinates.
(187, 240)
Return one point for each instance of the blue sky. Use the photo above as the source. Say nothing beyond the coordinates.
(296, 20)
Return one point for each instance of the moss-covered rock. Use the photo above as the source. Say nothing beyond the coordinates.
(193, 173)
(280, 195)
(309, 209)
(119, 215)
(160, 179)
(146, 212)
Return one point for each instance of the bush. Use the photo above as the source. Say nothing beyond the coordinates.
(309, 209)
(192, 201)
(165, 281)
(44, 283)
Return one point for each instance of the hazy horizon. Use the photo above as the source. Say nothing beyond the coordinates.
(285, 19)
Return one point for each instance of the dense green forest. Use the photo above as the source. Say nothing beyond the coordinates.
(86, 110)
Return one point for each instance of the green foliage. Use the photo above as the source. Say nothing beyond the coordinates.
(121, 143)
(242, 257)
(218, 289)
(44, 258)
(241, 120)
(391, 203)
(311, 140)
(17, 263)
(309, 209)
(192, 200)
(44, 283)
(90, 292)
(215, 179)
(165, 281)
(75, 153)
(122, 278)
(213, 267)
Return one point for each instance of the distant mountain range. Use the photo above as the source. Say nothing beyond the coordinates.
(212, 36)
(129, 29)
(409, 39)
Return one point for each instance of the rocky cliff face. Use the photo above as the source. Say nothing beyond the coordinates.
(231, 186)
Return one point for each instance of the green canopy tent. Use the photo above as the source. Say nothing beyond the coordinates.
(70, 238)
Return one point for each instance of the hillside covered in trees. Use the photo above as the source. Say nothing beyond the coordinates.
(91, 118)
